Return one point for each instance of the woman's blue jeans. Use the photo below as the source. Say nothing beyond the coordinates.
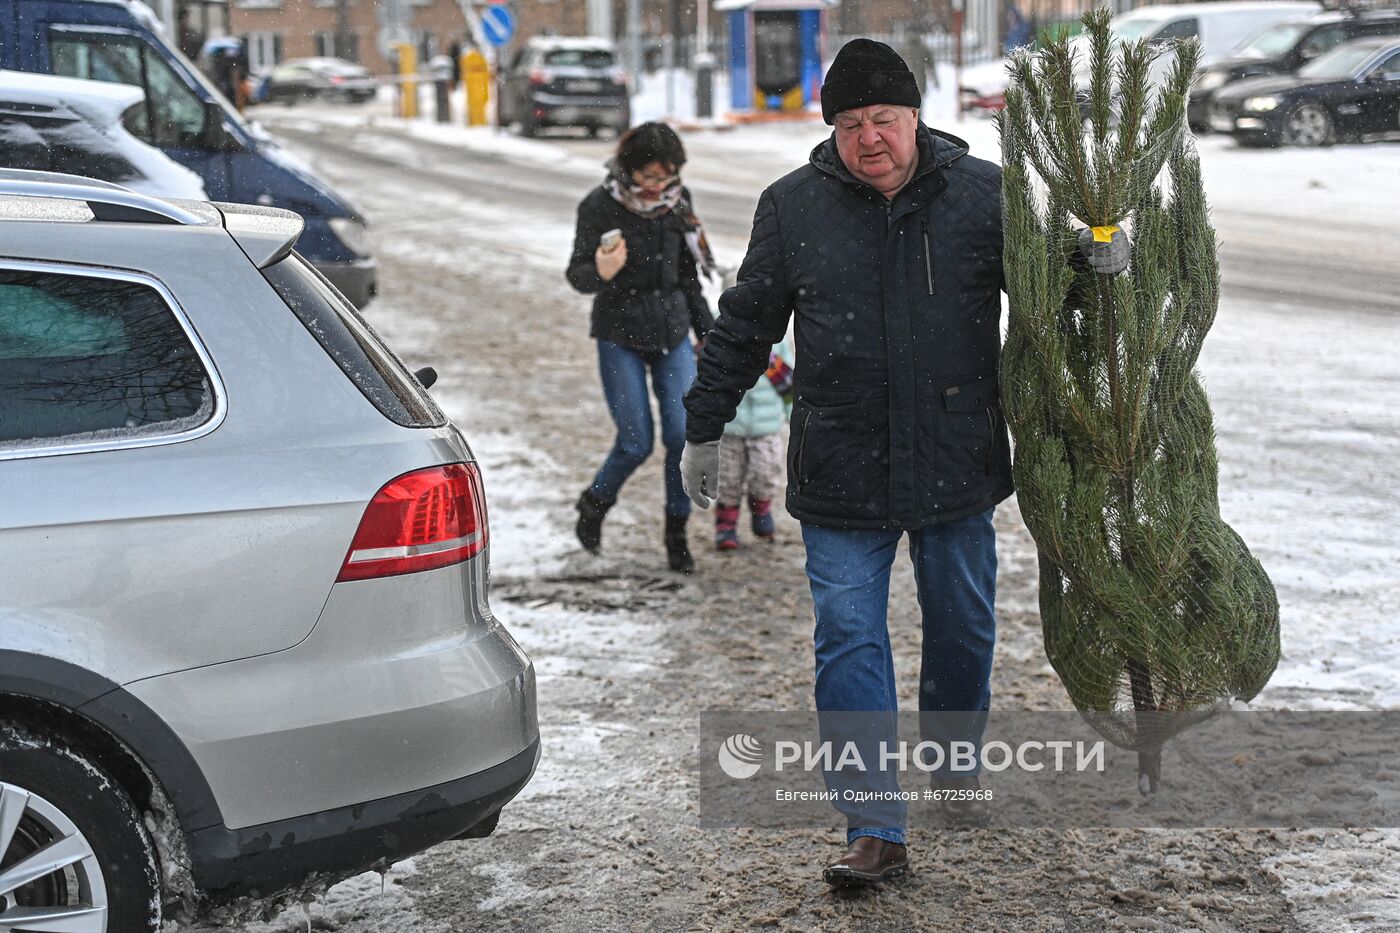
(955, 570)
(624, 373)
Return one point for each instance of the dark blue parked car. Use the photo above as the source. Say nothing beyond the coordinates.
(185, 117)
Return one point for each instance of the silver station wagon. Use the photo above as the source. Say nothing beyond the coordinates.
(244, 629)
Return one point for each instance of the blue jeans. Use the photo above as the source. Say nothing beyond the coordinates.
(624, 373)
(955, 569)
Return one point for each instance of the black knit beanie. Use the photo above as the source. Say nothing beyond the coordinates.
(867, 72)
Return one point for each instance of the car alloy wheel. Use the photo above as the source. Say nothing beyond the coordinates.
(1308, 125)
(50, 871)
(74, 854)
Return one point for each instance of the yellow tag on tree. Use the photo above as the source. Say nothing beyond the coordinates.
(1104, 234)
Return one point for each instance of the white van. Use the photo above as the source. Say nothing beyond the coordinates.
(1219, 27)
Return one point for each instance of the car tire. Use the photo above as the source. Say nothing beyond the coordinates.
(1308, 125)
(52, 794)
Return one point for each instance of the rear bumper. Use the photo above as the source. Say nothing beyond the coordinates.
(358, 281)
(382, 698)
(260, 860)
(605, 111)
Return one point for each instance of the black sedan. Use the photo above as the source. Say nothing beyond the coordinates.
(1351, 92)
(318, 78)
(1283, 48)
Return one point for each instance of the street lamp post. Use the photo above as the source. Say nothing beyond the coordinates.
(704, 63)
(634, 38)
(958, 14)
(344, 39)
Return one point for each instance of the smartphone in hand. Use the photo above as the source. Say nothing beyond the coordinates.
(610, 239)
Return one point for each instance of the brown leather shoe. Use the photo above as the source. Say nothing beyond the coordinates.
(868, 860)
(963, 811)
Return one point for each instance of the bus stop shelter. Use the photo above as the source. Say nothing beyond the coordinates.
(775, 52)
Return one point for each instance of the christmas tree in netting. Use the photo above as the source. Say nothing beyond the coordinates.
(1154, 611)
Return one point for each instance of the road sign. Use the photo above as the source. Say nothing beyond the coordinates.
(497, 24)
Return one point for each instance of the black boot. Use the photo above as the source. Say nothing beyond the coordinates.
(591, 511)
(677, 550)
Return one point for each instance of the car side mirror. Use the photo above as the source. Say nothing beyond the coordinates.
(426, 376)
(214, 136)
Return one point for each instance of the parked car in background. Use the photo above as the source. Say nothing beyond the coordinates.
(304, 79)
(1282, 49)
(1218, 27)
(185, 117)
(244, 631)
(559, 81)
(76, 127)
(1351, 92)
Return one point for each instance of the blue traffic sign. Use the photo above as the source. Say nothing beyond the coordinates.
(497, 24)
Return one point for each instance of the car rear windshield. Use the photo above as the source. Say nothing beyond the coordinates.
(353, 344)
(579, 58)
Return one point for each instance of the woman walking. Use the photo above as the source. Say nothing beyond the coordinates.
(640, 251)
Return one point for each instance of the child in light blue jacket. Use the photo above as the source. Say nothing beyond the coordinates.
(751, 461)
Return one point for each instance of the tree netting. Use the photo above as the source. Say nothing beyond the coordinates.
(1154, 611)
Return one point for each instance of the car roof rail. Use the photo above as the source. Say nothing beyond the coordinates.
(106, 201)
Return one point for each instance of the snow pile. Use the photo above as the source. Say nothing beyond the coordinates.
(669, 93)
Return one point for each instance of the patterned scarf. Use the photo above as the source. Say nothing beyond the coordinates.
(673, 202)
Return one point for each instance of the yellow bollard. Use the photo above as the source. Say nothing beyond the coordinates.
(408, 88)
(476, 75)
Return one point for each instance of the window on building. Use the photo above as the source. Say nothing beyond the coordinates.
(264, 50)
(349, 49)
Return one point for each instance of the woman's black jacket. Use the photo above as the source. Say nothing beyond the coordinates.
(650, 304)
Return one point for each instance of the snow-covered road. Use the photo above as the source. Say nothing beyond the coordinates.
(472, 231)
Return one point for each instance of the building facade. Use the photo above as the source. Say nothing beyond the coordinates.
(277, 30)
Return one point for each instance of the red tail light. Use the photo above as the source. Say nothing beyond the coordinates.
(422, 520)
(538, 77)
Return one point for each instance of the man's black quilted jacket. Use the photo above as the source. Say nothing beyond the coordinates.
(897, 422)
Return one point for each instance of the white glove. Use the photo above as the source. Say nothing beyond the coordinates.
(700, 472)
(1108, 258)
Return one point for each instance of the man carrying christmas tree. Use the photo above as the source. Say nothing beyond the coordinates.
(887, 246)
